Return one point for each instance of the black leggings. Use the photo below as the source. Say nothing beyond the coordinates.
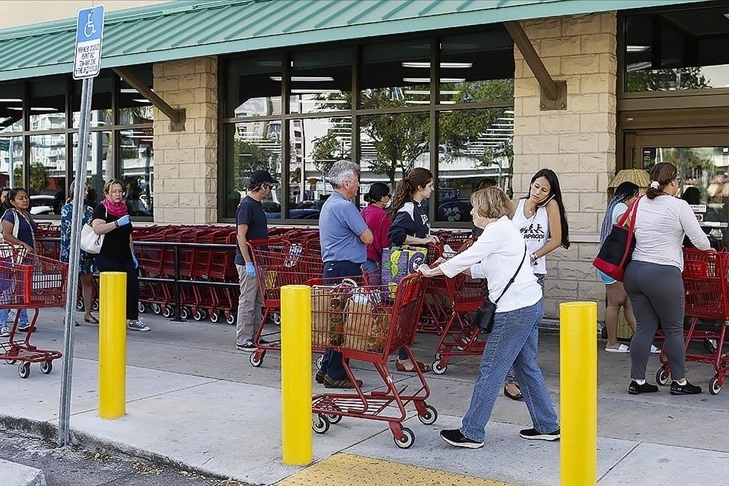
(105, 264)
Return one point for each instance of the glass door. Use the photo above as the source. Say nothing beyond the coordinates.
(702, 160)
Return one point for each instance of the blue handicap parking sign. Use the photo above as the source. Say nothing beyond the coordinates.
(90, 24)
(89, 32)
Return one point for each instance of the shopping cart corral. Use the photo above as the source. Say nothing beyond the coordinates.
(705, 275)
(365, 325)
(29, 281)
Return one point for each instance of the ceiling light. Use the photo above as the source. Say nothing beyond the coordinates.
(638, 48)
(427, 80)
(10, 100)
(305, 79)
(142, 100)
(129, 90)
(451, 65)
(314, 90)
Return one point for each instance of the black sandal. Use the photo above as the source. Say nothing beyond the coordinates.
(518, 397)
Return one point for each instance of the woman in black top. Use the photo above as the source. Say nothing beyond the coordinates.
(117, 252)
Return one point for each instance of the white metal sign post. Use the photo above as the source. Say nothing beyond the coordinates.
(86, 66)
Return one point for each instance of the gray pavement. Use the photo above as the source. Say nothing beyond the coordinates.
(193, 400)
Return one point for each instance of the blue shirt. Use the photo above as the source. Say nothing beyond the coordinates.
(251, 212)
(410, 220)
(340, 225)
(26, 226)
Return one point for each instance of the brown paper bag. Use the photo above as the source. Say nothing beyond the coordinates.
(365, 329)
(327, 316)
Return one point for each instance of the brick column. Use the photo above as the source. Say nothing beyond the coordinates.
(185, 162)
(578, 143)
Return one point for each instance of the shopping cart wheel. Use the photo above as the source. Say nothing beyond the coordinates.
(198, 315)
(155, 308)
(11, 361)
(714, 386)
(319, 423)
(141, 307)
(437, 368)
(437, 356)
(169, 311)
(95, 305)
(79, 304)
(184, 313)
(319, 361)
(24, 370)
(407, 439)
(333, 418)
(662, 376)
(230, 319)
(214, 316)
(46, 367)
(256, 360)
(711, 345)
(276, 318)
(430, 415)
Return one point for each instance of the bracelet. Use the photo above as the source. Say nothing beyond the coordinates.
(116, 224)
(533, 256)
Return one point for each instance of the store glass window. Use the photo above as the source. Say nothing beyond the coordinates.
(253, 87)
(135, 109)
(321, 81)
(136, 170)
(315, 145)
(11, 107)
(247, 150)
(100, 102)
(395, 74)
(48, 104)
(99, 166)
(476, 68)
(474, 144)
(47, 173)
(677, 50)
(11, 161)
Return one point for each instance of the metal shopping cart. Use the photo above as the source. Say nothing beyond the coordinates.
(364, 324)
(707, 299)
(278, 262)
(29, 281)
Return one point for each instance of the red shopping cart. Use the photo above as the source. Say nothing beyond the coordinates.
(29, 281)
(278, 262)
(707, 299)
(364, 324)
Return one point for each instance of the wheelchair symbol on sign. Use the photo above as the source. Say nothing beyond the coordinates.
(89, 28)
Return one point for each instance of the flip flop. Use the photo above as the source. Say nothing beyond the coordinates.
(424, 368)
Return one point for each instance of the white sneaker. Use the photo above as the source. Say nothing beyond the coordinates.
(622, 348)
(655, 350)
(4, 332)
(137, 325)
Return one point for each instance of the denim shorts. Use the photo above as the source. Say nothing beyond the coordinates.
(606, 279)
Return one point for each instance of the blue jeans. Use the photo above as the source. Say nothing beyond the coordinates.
(22, 317)
(513, 340)
(334, 272)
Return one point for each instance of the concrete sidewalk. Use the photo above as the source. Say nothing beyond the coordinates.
(194, 400)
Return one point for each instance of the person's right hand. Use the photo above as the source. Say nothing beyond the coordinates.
(250, 270)
(124, 220)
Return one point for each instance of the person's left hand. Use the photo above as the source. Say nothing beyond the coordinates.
(136, 262)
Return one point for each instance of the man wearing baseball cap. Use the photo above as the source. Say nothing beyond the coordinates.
(252, 224)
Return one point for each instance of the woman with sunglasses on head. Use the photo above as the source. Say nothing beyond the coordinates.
(540, 216)
(117, 251)
(87, 265)
(18, 229)
(653, 278)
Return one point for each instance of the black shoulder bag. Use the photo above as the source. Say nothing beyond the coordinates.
(484, 317)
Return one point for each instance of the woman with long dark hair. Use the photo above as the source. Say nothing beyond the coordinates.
(410, 226)
(378, 221)
(653, 278)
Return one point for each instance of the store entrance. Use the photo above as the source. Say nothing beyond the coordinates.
(702, 158)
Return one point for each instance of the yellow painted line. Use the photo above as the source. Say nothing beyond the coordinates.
(349, 469)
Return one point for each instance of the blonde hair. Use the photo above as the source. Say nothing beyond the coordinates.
(108, 184)
(491, 202)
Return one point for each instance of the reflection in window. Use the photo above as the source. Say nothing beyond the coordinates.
(11, 107)
(474, 144)
(395, 74)
(315, 145)
(391, 145)
(254, 87)
(137, 170)
(100, 102)
(321, 80)
(251, 146)
(47, 104)
(11, 161)
(679, 50)
(98, 165)
(47, 173)
(705, 174)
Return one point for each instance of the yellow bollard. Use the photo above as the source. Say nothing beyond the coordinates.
(112, 344)
(578, 393)
(298, 447)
